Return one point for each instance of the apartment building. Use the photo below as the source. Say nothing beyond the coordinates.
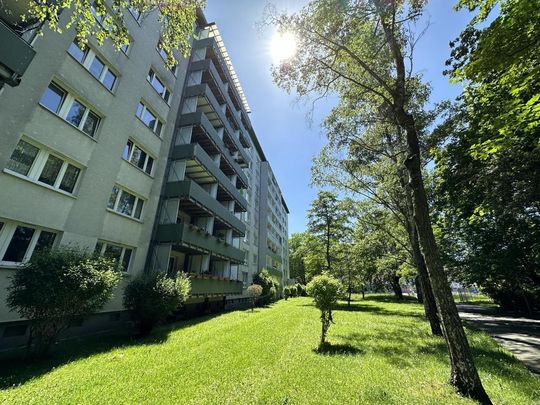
(159, 168)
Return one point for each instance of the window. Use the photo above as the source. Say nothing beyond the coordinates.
(21, 241)
(135, 13)
(70, 109)
(125, 203)
(164, 56)
(149, 118)
(43, 167)
(138, 157)
(158, 85)
(94, 64)
(122, 254)
(125, 48)
(53, 98)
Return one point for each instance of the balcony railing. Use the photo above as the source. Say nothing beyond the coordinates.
(193, 238)
(199, 118)
(190, 190)
(197, 153)
(208, 285)
(15, 55)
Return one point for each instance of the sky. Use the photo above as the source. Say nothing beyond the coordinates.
(289, 139)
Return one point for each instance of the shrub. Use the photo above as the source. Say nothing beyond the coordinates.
(270, 286)
(325, 291)
(299, 289)
(293, 291)
(153, 296)
(58, 286)
(286, 292)
(254, 291)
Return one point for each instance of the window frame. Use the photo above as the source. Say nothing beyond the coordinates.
(89, 56)
(114, 208)
(7, 231)
(156, 118)
(65, 106)
(152, 75)
(124, 248)
(38, 164)
(149, 156)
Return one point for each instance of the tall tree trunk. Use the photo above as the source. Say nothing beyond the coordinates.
(464, 375)
(394, 281)
(430, 306)
(419, 290)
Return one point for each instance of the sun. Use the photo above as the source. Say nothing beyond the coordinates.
(283, 46)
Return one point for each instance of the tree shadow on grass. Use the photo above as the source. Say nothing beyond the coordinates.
(333, 349)
(17, 370)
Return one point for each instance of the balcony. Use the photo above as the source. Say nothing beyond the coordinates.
(197, 202)
(202, 169)
(275, 273)
(15, 55)
(205, 135)
(208, 104)
(202, 285)
(190, 239)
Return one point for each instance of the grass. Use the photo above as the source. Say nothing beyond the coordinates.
(380, 353)
(476, 299)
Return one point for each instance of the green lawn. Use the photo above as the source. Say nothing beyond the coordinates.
(382, 353)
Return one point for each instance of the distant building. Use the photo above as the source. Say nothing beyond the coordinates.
(159, 168)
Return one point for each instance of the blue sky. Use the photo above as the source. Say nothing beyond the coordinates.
(289, 140)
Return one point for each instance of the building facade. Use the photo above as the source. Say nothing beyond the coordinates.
(160, 168)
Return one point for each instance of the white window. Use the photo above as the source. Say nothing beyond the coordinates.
(125, 203)
(43, 167)
(67, 107)
(94, 64)
(149, 118)
(122, 254)
(19, 241)
(158, 85)
(134, 154)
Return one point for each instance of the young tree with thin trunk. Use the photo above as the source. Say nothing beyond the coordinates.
(367, 45)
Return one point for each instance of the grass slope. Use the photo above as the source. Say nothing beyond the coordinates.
(382, 353)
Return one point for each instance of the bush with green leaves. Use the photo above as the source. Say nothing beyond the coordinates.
(269, 285)
(292, 291)
(254, 291)
(152, 297)
(299, 289)
(286, 292)
(57, 287)
(325, 291)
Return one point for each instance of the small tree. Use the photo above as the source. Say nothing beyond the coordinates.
(152, 297)
(269, 285)
(57, 286)
(299, 289)
(286, 292)
(254, 291)
(325, 291)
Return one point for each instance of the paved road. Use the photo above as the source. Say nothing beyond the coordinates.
(519, 335)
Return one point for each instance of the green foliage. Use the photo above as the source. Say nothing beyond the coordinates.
(153, 296)
(254, 291)
(292, 291)
(299, 289)
(177, 20)
(286, 292)
(58, 286)
(488, 169)
(325, 291)
(269, 284)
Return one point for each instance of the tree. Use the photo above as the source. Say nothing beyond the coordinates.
(325, 291)
(254, 291)
(153, 296)
(306, 256)
(327, 219)
(365, 46)
(488, 195)
(105, 20)
(57, 287)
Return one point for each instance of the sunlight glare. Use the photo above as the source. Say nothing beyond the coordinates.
(283, 46)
